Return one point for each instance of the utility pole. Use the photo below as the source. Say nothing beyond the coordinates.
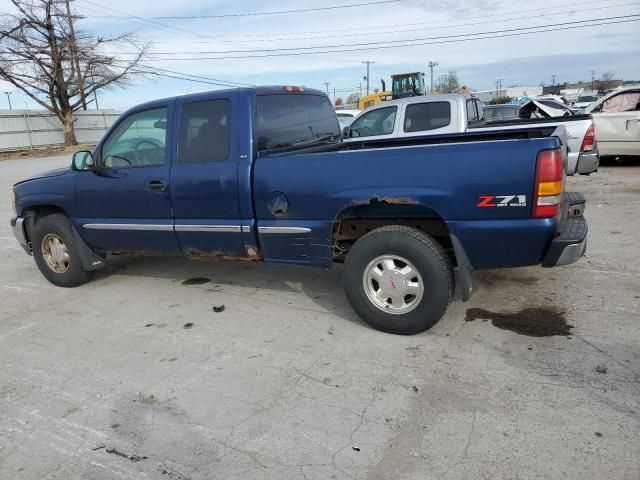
(76, 60)
(553, 80)
(368, 63)
(431, 65)
(593, 78)
(9, 99)
(334, 96)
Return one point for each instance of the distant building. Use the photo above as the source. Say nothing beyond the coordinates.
(513, 92)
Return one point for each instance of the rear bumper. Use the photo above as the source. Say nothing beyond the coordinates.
(570, 242)
(17, 225)
(583, 163)
(588, 162)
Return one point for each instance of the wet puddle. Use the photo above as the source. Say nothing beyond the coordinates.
(196, 281)
(533, 322)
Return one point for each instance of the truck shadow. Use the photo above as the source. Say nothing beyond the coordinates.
(277, 283)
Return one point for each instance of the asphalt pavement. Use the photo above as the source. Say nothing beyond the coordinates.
(136, 375)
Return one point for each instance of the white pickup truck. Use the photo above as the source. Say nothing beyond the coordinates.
(458, 113)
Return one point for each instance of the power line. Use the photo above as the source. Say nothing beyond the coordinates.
(259, 38)
(276, 12)
(295, 51)
(139, 19)
(374, 28)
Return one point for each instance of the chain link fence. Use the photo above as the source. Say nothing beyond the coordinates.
(28, 129)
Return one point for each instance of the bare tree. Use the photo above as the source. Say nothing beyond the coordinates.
(353, 98)
(59, 67)
(448, 83)
(606, 82)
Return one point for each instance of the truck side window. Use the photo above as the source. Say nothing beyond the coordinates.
(138, 141)
(472, 114)
(480, 110)
(376, 122)
(420, 117)
(204, 131)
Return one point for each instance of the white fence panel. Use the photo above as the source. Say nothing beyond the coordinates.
(26, 129)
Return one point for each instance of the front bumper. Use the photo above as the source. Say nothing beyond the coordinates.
(571, 241)
(17, 225)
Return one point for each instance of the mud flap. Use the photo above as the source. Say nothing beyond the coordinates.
(464, 269)
(90, 260)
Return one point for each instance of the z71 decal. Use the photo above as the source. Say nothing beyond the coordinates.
(502, 201)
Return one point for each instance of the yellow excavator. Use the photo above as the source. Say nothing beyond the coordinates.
(402, 85)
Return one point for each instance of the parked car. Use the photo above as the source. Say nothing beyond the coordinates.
(345, 117)
(617, 121)
(584, 100)
(456, 113)
(262, 174)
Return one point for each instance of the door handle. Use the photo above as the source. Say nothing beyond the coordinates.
(157, 186)
(637, 120)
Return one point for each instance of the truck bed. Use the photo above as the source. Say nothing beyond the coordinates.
(526, 132)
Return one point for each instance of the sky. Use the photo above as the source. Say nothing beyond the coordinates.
(208, 36)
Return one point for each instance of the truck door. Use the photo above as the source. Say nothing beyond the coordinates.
(617, 124)
(125, 204)
(204, 178)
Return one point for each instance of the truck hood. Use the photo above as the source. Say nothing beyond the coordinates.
(56, 172)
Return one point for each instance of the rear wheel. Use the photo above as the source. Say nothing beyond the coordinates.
(398, 279)
(56, 253)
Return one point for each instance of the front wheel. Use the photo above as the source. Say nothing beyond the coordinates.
(398, 279)
(56, 253)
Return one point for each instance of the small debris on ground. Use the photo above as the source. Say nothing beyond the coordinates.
(218, 308)
(601, 369)
(330, 331)
(133, 458)
(148, 325)
(99, 447)
(356, 449)
(598, 434)
(415, 389)
(187, 325)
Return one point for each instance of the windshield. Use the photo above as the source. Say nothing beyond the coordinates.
(288, 120)
(587, 98)
(409, 85)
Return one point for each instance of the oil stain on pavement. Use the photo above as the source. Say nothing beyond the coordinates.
(196, 281)
(533, 322)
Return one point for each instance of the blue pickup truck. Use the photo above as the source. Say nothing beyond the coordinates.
(262, 174)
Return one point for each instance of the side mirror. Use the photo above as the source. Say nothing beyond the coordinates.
(82, 160)
(346, 132)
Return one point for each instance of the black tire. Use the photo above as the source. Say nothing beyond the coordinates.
(429, 259)
(59, 225)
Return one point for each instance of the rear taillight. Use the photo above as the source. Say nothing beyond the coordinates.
(589, 139)
(549, 183)
(292, 89)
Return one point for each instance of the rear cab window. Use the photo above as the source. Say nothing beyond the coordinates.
(420, 117)
(292, 120)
